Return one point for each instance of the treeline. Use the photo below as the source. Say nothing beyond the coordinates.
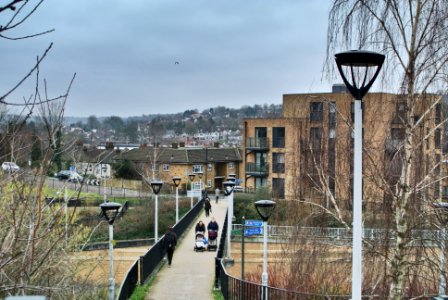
(190, 122)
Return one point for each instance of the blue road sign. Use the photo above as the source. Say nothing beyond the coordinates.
(254, 223)
(253, 231)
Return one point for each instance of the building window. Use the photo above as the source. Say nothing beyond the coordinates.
(316, 111)
(209, 167)
(437, 139)
(197, 168)
(396, 137)
(231, 165)
(209, 182)
(438, 114)
(166, 167)
(316, 138)
(261, 182)
(278, 188)
(445, 192)
(400, 113)
(261, 132)
(278, 162)
(331, 114)
(278, 137)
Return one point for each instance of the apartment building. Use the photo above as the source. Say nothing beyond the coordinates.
(308, 153)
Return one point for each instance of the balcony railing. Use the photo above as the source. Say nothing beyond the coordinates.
(257, 169)
(257, 143)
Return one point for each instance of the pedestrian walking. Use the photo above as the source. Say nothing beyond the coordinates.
(200, 227)
(169, 244)
(217, 195)
(207, 207)
(213, 225)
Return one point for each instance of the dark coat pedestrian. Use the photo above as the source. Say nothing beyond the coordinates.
(200, 227)
(213, 225)
(169, 244)
(207, 207)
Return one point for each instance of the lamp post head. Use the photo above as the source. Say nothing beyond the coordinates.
(192, 175)
(232, 179)
(265, 208)
(362, 68)
(176, 180)
(156, 186)
(200, 174)
(228, 187)
(109, 210)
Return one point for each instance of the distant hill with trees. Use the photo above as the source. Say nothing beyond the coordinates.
(188, 122)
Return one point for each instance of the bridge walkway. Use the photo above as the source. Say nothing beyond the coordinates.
(192, 274)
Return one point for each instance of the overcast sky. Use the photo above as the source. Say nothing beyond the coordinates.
(229, 53)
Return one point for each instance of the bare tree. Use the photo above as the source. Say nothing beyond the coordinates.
(413, 36)
(34, 243)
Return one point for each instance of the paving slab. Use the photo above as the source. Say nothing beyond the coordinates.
(192, 274)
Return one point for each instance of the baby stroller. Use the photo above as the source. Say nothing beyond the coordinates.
(212, 240)
(200, 243)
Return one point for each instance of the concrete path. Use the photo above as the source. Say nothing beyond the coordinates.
(192, 274)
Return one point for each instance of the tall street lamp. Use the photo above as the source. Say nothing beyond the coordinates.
(228, 192)
(191, 176)
(442, 214)
(362, 68)
(176, 180)
(156, 186)
(200, 174)
(265, 209)
(109, 211)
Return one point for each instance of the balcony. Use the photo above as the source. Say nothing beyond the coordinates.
(257, 169)
(257, 143)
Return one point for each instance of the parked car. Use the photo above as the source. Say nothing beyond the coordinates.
(69, 175)
(10, 166)
(63, 175)
(238, 189)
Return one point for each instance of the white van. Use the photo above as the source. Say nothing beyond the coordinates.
(10, 166)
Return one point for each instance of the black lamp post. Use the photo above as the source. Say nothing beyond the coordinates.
(176, 180)
(191, 176)
(156, 186)
(109, 210)
(265, 209)
(442, 214)
(358, 70)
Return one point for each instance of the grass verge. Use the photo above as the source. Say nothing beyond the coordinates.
(141, 290)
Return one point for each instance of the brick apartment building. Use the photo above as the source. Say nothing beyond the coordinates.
(307, 153)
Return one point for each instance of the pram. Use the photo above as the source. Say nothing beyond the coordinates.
(212, 240)
(200, 243)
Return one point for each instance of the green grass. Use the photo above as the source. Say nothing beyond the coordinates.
(217, 295)
(141, 290)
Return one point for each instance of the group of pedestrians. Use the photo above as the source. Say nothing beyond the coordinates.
(170, 239)
(212, 225)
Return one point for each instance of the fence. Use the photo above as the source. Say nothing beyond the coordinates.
(99, 189)
(345, 234)
(233, 288)
(145, 266)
